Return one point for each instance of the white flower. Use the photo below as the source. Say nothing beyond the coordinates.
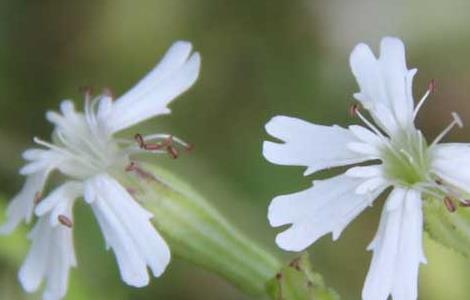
(398, 156)
(87, 153)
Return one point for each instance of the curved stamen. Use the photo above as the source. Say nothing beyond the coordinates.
(431, 88)
(456, 121)
(162, 143)
(356, 112)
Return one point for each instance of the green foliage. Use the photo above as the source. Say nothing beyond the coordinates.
(297, 281)
(449, 229)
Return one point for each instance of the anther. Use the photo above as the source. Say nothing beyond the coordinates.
(432, 86)
(139, 139)
(37, 197)
(87, 91)
(456, 120)
(189, 147)
(152, 146)
(295, 263)
(172, 152)
(449, 204)
(131, 191)
(431, 89)
(64, 220)
(465, 203)
(108, 92)
(355, 112)
(131, 167)
(353, 109)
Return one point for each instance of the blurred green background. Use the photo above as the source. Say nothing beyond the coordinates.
(260, 59)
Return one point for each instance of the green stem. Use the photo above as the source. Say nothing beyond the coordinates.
(198, 233)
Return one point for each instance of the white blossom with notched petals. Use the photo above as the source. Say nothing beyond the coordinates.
(398, 156)
(86, 152)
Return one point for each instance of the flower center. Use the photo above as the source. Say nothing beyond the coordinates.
(406, 159)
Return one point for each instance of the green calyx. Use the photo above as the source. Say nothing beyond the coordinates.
(197, 233)
(407, 160)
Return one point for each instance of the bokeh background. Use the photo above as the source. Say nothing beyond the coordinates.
(260, 58)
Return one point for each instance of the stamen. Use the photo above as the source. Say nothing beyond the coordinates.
(140, 172)
(168, 144)
(431, 89)
(456, 121)
(449, 204)
(354, 110)
(408, 156)
(155, 146)
(64, 220)
(48, 145)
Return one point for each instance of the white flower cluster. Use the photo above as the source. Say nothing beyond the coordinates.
(385, 153)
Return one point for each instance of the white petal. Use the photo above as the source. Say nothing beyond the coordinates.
(176, 73)
(328, 206)
(40, 160)
(305, 144)
(366, 136)
(365, 172)
(385, 83)
(364, 149)
(22, 205)
(50, 258)
(371, 185)
(397, 249)
(127, 230)
(451, 163)
(60, 201)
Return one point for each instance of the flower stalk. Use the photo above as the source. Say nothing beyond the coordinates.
(198, 233)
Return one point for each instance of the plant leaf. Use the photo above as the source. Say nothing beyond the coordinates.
(449, 229)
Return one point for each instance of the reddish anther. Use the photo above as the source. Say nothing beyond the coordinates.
(353, 110)
(139, 139)
(64, 220)
(172, 151)
(86, 91)
(152, 146)
(465, 203)
(449, 204)
(131, 167)
(108, 92)
(131, 191)
(189, 147)
(37, 197)
(432, 86)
